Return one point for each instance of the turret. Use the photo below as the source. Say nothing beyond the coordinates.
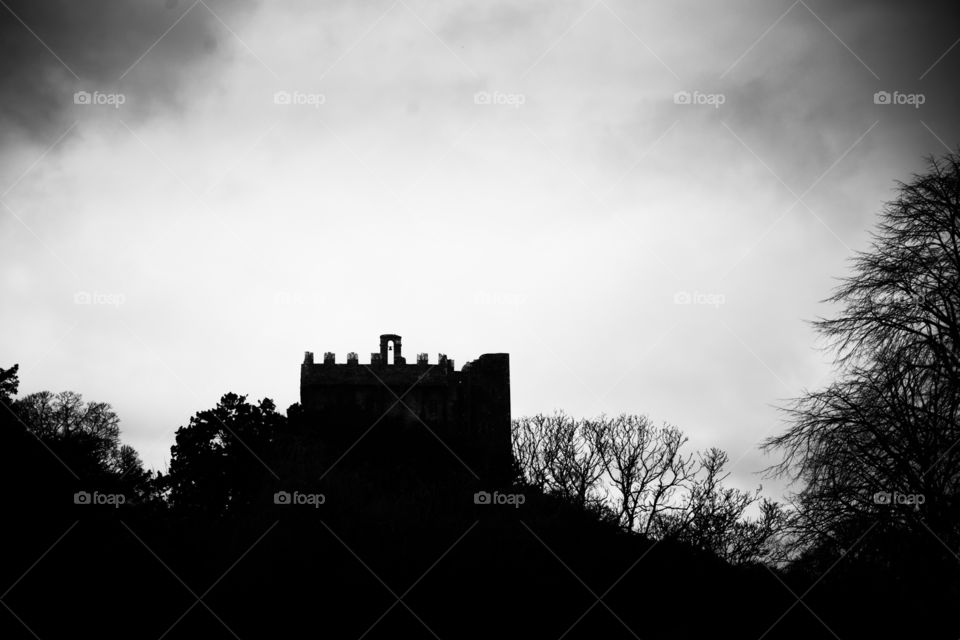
(390, 345)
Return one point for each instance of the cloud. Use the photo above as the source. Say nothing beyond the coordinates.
(141, 48)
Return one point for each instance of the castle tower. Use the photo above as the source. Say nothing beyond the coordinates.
(469, 409)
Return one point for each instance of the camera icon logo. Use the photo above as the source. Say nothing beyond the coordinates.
(482, 97)
(681, 97)
(281, 497)
(82, 97)
(82, 297)
(682, 297)
(81, 497)
(282, 97)
(882, 497)
(481, 497)
(881, 97)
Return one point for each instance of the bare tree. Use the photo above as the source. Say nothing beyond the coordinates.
(534, 458)
(641, 472)
(889, 425)
(645, 467)
(561, 454)
(578, 465)
(630, 437)
(714, 517)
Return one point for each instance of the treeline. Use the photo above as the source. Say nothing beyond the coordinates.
(641, 474)
(226, 459)
(230, 458)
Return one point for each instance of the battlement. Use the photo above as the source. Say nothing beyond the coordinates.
(376, 360)
(389, 355)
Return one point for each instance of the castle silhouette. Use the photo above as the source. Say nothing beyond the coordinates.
(471, 406)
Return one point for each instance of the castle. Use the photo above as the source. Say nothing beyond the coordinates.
(471, 405)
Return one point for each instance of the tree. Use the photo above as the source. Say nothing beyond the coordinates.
(125, 462)
(88, 433)
(218, 462)
(713, 517)
(578, 459)
(879, 445)
(562, 455)
(646, 468)
(657, 489)
(531, 451)
(9, 383)
(83, 438)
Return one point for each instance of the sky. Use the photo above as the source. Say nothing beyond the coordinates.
(644, 203)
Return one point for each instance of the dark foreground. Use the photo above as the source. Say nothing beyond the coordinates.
(396, 552)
